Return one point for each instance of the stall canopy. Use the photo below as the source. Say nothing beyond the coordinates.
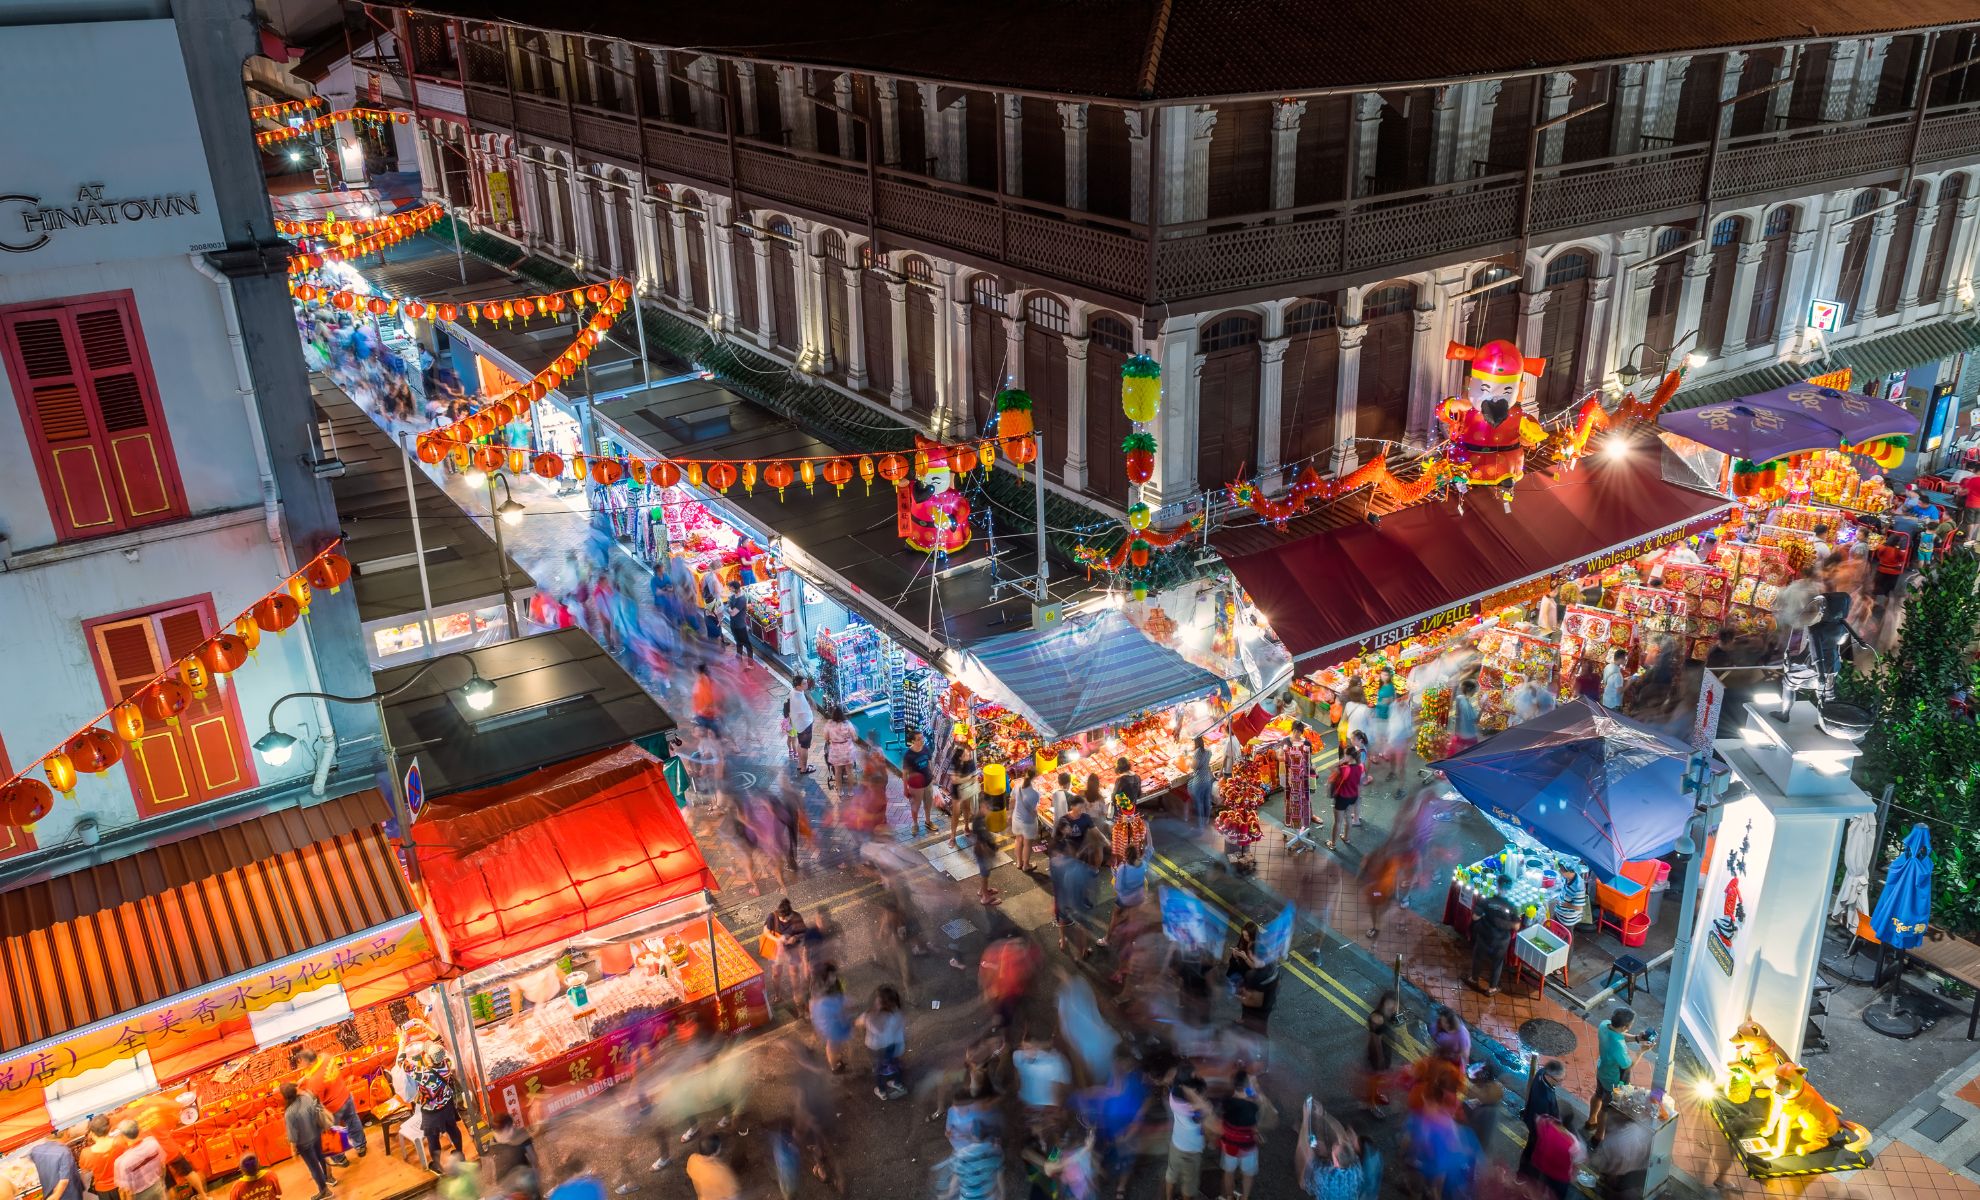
(1790, 420)
(1583, 781)
(1085, 672)
(539, 859)
(1331, 595)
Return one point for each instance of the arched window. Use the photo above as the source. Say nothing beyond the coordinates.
(1309, 384)
(1719, 285)
(1764, 321)
(1310, 316)
(1227, 411)
(1660, 321)
(1047, 313)
(1046, 324)
(917, 269)
(1387, 357)
(1562, 323)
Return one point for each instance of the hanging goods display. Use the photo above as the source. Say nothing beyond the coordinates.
(1489, 427)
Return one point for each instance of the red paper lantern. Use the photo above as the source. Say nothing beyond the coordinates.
(276, 612)
(93, 751)
(779, 475)
(666, 474)
(721, 476)
(328, 572)
(429, 449)
(1021, 450)
(482, 424)
(343, 300)
(128, 720)
(194, 676)
(491, 458)
(525, 308)
(837, 472)
(415, 309)
(963, 459)
(597, 293)
(548, 465)
(224, 653)
(553, 303)
(502, 413)
(25, 802)
(448, 312)
(492, 311)
(378, 306)
(893, 468)
(620, 289)
(165, 700)
(607, 471)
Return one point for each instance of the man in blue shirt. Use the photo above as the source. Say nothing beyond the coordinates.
(55, 1168)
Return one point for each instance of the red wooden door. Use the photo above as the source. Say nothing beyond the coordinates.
(783, 294)
(205, 755)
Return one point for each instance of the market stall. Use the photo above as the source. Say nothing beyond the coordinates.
(576, 900)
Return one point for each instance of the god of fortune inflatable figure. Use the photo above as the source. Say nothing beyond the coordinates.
(1488, 425)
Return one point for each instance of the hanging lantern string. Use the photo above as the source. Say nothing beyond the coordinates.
(178, 665)
(331, 222)
(373, 116)
(506, 308)
(400, 226)
(282, 109)
(451, 441)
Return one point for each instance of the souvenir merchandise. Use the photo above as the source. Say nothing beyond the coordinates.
(1655, 610)
(852, 671)
(1709, 590)
(1510, 655)
(1433, 723)
(1759, 571)
(1594, 635)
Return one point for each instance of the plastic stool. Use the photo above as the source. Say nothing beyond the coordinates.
(1633, 972)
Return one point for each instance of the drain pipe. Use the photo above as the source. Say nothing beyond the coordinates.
(271, 500)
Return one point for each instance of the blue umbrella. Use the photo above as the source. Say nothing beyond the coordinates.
(1905, 907)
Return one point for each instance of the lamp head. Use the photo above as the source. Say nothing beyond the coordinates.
(478, 692)
(509, 513)
(474, 477)
(275, 747)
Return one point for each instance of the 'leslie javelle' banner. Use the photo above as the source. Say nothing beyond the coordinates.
(378, 964)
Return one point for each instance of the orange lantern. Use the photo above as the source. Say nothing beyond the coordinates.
(93, 751)
(666, 474)
(491, 458)
(607, 471)
(429, 449)
(721, 476)
(276, 611)
(492, 311)
(962, 459)
(502, 413)
(248, 630)
(343, 301)
(518, 460)
(694, 474)
(415, 309)
(597, 293)
(525, 308)
(1021, 450)
(194, 675)
(379, 306)
(224, 653)
(808, 471)
(620, 289)
(537, 391)
(580, 467)
(894, 469)
(482, 424)
(26, 801)
(986, 454)
(867, 472)
(61, 772)
(749, 478)
(299, 590)
(548, 465)
(553, 303)
(164, 701)
(328, 572)
(128, 720)
(838, 473)
(779, 475)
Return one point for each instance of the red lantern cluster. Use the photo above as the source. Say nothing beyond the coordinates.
(282, 110)
(340, 244)
(357, 116)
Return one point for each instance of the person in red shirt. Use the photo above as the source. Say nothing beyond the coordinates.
(254, 1183)
(99, 1159)
(322, 1078)
(1891, 558)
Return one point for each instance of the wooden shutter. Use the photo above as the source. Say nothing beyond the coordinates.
(876, 315)
(988, 347)
(697, 240)
(204, 756)
(1241, 159)
(91, 410)
(742, 258)
(1042, 143)
(783, 294)
(1856, 255)
(1045, 379)
(921, 347)
(1897, 255)
(1110, 342)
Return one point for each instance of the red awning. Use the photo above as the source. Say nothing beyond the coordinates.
(1331, 595)
(528, 863)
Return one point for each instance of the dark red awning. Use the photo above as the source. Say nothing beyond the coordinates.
(531, 862)
(1331, 595)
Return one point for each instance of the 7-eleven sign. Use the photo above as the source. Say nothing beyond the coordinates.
(1824, 316)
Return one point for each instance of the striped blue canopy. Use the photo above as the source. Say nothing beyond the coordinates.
(1087, 671)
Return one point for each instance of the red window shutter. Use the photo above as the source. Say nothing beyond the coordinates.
(205, 755)
(87, 399)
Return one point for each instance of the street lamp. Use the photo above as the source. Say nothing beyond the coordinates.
(276, 748)
(508, 511)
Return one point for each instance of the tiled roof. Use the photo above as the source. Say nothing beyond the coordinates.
(1177, 49)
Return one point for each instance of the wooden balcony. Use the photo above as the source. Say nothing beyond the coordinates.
(1306, 248)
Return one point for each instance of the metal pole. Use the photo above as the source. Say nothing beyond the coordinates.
(502, 561)
(714, 957)
(454, 223)
(1664, 1140)
(419, 545)
(1042, 580)
(639, 330)
(396, 791)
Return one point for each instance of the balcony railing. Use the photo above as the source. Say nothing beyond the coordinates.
(1289, 246)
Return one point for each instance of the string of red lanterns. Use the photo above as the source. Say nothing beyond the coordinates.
(721, 474)
(398, 227)
(282, 110)
(510, 309)
(356, 116)
(91, 750)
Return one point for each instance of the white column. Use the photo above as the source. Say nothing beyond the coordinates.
(683, 266)
(886, 99)
(951, 361)
(1271, 402)
(431, 186)
(557, 188)
(1635, 319)
(746, 107)
(855, 329)
(1010, 111)
(1532, 319)
(1074, 471)
(1426, 366)
(1175, 425)
(1628, 103)
(647, 232)
(1445, 118)
(1014, 328)
(1478, 144)
(527, 181)
(1914, 264)
(1791, 312)
(1597, 336)
(663, 93)
(706, 91)
(942, 133)
(1286, 115)
(1960, 272)
(1691, 289)
(815, 278)
(1869, 74)
(1137, 165)
(842, 99)
(766, 307)
(1347, 390)
(1834, 245)
(1556, 97)
(722, 265)
(615, 238)
(1363, 137)
(1734, 64)
(798, 113)
(1072, 118)
(587, 226)
(902, 396)
(1185, 162)
(1745, 275)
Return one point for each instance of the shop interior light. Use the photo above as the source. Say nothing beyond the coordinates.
(478, 692)
(275, 747)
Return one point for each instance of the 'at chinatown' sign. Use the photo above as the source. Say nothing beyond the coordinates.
(27, 223)
(192, 1017)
